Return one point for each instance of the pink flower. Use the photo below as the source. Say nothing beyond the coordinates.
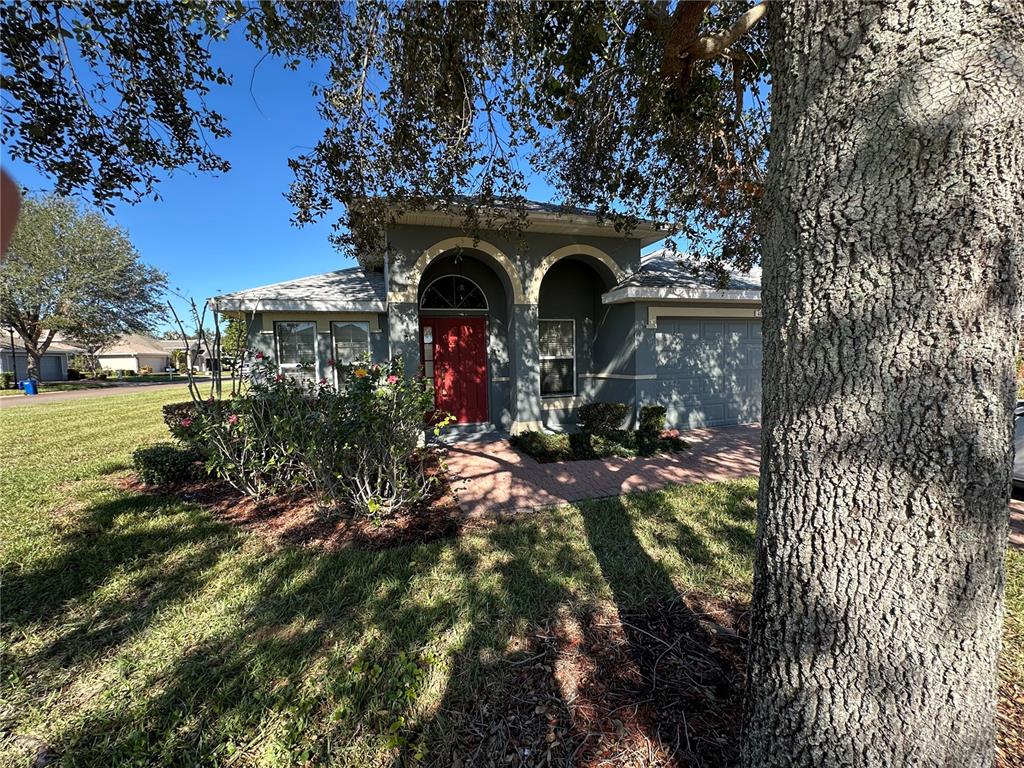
(330, 362)
(259, 355)
(279, 377)
(186, 422)
(392, 379)
(323, 382)
(233, 418)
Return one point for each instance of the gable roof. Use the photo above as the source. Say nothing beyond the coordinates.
(344, 290)
(664, 276)
(133, 344)
(57, 347)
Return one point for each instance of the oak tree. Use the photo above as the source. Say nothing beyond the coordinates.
(884, 201)
(69, 272)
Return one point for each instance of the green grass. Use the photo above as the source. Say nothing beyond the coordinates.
(143, 631)
(61, 386)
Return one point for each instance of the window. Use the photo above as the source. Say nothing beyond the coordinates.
(296, 348)
(453, 292)
(351, 341)
(557, 357)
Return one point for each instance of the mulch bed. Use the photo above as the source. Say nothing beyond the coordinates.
(660, 687)
(297, 520)
(655, 687)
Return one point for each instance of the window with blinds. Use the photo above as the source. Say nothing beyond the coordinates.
(296, 348)
(351, 341)
(557, 357)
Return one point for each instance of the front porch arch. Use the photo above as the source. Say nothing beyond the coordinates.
(464, 243)
(571, 250)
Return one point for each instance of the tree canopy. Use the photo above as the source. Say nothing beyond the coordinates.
(69, 271)
(635, 109)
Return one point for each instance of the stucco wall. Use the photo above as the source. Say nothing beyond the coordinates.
(261, 334)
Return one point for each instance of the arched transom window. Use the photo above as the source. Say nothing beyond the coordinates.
(453, 292)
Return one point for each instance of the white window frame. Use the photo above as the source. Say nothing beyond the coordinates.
(559, 357)
(334, 347)
(486, 308)
(294, 367)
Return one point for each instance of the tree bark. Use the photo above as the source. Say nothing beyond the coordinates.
(893, 266)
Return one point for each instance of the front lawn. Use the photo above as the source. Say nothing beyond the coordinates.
(143, 630)
(62, 386)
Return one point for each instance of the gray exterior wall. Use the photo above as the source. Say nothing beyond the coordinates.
(260, 327)
(53, 366)
(539, 275)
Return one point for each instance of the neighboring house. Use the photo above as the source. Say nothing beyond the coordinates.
(53, 365)
(197, 355)
(133, 352)
(517, 333)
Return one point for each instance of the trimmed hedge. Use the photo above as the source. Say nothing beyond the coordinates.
(652, 424)
(602, 418)
(164, 463)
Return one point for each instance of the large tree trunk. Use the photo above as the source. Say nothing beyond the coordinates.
(893, 267)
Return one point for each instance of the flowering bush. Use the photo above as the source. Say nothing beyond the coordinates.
(356, 446)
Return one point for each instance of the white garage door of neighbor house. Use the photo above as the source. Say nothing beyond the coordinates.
(709, 371)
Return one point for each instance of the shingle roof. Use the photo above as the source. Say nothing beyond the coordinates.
(344, 290)
(666, 276)
(133, 344)
(56, 346)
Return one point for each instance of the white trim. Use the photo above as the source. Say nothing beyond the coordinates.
(487, 306)
(677, 293)
(550, 357)
(296, 305)
(723, 313)
(316, 348)
(500, 379)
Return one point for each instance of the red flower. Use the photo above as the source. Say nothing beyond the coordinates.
(279, 377)
(323, 382)
(330, 362)
(259, 355)
(392, 379)
(186, 422)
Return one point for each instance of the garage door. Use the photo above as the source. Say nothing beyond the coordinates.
(709, 371)
(50, 368)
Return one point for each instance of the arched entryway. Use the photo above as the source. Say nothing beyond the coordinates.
(464, 311)
(577, 344)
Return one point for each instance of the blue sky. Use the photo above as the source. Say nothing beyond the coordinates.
(214, 234)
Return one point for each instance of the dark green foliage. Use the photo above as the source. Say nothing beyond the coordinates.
(602, 418)
(105, 97)
(652, 424)
(7, 380)
(546, 447)
(164, 463)
(74, 374)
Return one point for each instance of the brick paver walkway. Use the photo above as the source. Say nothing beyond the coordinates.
(494, 478)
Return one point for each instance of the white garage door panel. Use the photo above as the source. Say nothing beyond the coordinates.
(709, 371)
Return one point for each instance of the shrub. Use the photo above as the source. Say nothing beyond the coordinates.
(544, 446)
(7, 380)
(74, 374)
(127, 372)
(652, 423)
(602, 418)
(146, 370)
(165, 463)
(357, 447)
(102, 375)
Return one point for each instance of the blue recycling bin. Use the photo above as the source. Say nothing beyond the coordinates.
(30, 387)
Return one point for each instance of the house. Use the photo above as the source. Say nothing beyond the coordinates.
(516, 333)
(196, 352)
(133, 352)
(53, 364)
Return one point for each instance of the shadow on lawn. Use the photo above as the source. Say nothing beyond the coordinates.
(207, 647)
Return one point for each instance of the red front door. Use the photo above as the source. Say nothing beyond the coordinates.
(460, 366)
